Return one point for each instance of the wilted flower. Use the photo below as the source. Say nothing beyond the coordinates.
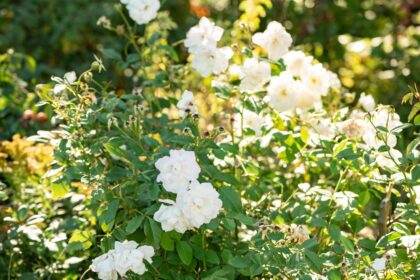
(211, 60)
(254, 75)
(142, 11)
(300, 233)
(199, 204)
(104, 21)
(275, 40)
(177, 170)
(186, 104)
(204, 35)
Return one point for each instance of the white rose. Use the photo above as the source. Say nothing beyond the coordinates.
(353, 127)
(148, 252)
(129, 256)
(305, 98)
(281, 93)
(142, 11)
(171, 218)
(382, 118)
(379, 264)
(410, 242)
(367, 102)
(104, 265)
(186, 104)
(384, 159)
(253, 121)
(204, 35)
(334, 80)
(177, 170)
(254, 75)
(322, 129)
(200, 204)
(297, 62)
(275, 40)
(68, 79)
(317, 79)
(211, 60)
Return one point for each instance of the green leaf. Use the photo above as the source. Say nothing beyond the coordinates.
(314, 260)
(110, 53)
(388, 239)
(334, 232)
(170, 51)
(415, 173)
(167, 242)
(115, 151)
(244, 219)
(339, 147)
(134, 224)
(59, 190)
(82, 238)
(334, 275)
(304, 135)
(347, 244)
(153, 232)
(212, 257)
(308, 244)
(224, 177)
(184, 251)
(230, 198)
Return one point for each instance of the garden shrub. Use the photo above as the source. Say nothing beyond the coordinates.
(37, 216)
(18, 111)
(293, 178)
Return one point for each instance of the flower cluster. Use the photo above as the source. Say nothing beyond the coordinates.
(142, 11)
(127, 256)
(202, 41)
(196, 203)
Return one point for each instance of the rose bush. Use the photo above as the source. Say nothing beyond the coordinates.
(289, 182)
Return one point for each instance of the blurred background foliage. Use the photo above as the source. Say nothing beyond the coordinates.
(373, 45)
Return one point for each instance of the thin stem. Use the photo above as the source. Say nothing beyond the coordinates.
(9, 272)
(132, 37)
(84, 273)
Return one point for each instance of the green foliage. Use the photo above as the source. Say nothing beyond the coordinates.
(293, 208)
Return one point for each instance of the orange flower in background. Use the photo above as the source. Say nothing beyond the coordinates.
(199, 10)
